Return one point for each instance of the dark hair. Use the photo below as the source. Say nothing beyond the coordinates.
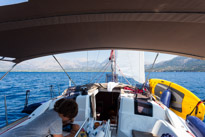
(67, 107)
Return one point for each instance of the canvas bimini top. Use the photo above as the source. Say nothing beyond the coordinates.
(43, 27)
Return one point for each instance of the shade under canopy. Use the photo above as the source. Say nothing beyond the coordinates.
(44, 27)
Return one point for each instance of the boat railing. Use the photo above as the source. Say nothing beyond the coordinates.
(6, 114)
(107, 129)
(53, 91)
(81, 127)
(90, 122)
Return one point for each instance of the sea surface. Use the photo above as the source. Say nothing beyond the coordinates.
(15, 84)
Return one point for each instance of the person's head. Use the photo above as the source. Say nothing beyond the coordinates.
(66, 108)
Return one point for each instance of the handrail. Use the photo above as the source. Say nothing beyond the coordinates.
(107, 128)
(81, 127)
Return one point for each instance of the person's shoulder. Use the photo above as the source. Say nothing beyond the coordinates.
(51, 113)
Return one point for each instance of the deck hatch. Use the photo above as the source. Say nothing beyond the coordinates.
(142, 107)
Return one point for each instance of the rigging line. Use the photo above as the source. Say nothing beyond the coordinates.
(131, 68)
(140, 64)
(64, 70)
(95, 64)
(100, 70)
(123, 75)
(87, 65)
(151, 68)
(8, 71)
(87, 61)
(103, 72)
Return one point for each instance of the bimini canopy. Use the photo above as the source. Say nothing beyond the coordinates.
(44, 27)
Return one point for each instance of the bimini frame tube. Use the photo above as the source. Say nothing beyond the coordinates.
(8, 71)
(151, 68)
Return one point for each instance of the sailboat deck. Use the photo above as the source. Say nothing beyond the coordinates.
(12, 125)
(113, 131)
(141, 134)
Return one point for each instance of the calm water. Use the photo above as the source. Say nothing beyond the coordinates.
(15, 84)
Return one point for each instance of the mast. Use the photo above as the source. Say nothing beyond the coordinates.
(113, 65)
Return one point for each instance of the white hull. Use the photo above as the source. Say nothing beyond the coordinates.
(158, 121)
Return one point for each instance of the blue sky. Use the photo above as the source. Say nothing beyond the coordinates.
(73, 59)
(101, 55)
(11, 2)
(150, 56)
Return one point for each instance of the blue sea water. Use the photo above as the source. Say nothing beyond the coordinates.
(15, 84)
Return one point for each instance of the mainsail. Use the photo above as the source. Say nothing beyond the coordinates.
(131, 64)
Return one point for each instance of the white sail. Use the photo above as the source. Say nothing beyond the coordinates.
(131, 64)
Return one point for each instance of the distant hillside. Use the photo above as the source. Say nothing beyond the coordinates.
(179, 64)
(81, 65)
(50, 65)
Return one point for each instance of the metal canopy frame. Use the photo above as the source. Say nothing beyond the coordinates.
(38, 28)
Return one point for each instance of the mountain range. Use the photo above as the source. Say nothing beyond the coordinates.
(179, 64)
(50, 65)
(176, 64)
